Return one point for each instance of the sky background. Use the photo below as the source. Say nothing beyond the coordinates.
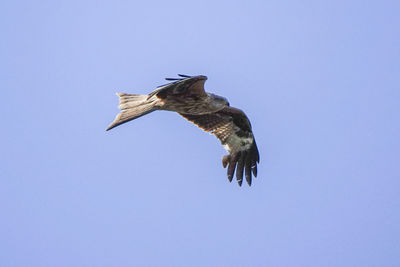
(319, 81)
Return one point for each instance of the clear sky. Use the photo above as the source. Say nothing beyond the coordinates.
(319, 81)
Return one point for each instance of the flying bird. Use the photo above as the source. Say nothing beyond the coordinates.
(212, 113)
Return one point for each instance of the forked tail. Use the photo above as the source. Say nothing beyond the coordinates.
(132, 107)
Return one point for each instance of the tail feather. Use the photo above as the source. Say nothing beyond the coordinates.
(132, 107)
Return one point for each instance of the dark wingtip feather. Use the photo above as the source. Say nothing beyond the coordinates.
(248, 180)
(248, 173)
(240, 166)
(254, 170)
(185, 76)
(173, 79)
(254, 152)
(231, 170)
(240, 182)
(231, 166)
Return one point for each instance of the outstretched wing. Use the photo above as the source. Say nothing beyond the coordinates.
(232, 127)
(186, 85)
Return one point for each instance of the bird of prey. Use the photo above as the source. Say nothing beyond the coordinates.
(212, 113)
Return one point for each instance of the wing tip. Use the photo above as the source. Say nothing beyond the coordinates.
(241, 164)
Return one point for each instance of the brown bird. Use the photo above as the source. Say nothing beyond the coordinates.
(212, 113)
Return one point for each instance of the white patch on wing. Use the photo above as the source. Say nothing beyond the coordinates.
(236, 143)
(247, 143)
(227, 148)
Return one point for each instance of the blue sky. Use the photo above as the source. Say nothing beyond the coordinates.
(319, 81)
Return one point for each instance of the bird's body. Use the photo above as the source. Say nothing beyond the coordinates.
(210, 112)
(193, 104)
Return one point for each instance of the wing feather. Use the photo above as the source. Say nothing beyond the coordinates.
(232, 127)
(187, 85)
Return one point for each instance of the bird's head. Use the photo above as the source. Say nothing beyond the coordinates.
(220, 101)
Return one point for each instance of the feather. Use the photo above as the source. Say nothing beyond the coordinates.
(232, 166)
(254, 170)
(248, 169)
(240, 166)
(132, 107)
(173, 79)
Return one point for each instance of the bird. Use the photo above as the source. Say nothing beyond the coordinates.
(212, 113)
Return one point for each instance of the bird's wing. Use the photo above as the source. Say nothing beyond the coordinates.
(232, 127)
(186, 85)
